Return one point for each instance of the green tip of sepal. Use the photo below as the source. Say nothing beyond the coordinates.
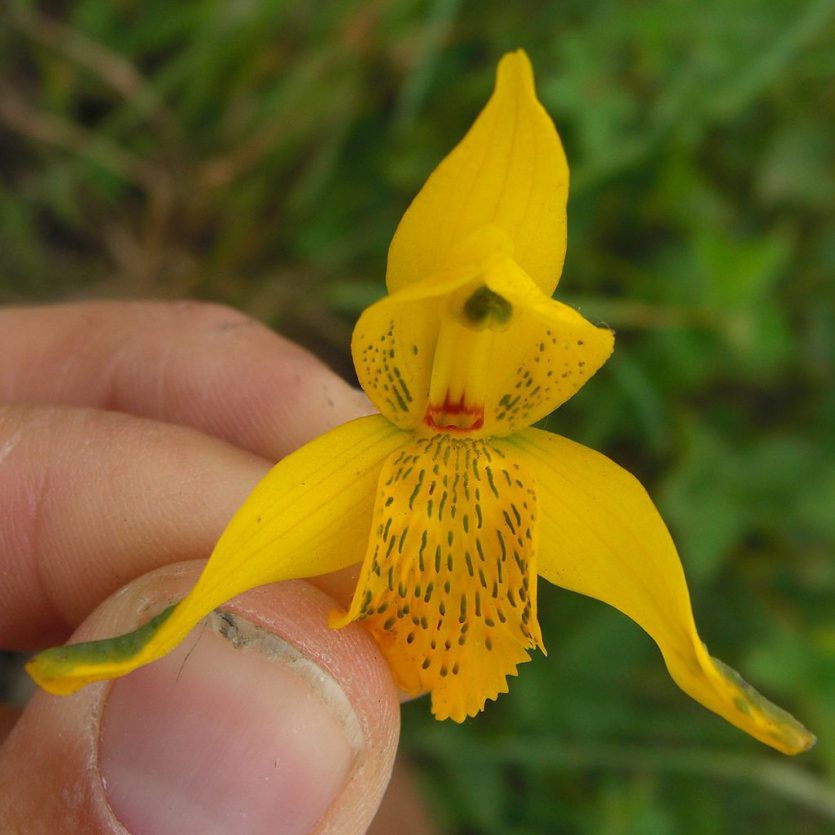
(778, 727)
(63, 670)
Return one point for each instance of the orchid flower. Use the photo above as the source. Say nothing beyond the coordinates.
(448, 498)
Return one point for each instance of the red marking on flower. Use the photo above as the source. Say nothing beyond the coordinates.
(454, 416)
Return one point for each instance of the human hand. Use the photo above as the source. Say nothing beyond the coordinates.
(131, 434)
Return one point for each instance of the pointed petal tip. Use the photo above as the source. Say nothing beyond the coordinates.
(516, 61)
(50, 680)
(64, 670)
(807, 742)
(514, 76)
(761, 718)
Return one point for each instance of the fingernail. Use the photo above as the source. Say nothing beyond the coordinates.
(235, 731)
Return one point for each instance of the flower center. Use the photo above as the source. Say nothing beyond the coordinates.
(461, 363)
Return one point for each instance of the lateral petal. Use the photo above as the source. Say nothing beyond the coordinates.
(310, 515)
(509, 170)
(546, 354)
(393, 346)
(420, 348)
(601, 536)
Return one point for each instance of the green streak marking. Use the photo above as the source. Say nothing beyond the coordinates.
(110, 650)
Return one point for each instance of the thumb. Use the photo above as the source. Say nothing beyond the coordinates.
(263, 720)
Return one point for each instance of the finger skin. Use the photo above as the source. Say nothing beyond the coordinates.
(197, 364)
(90, 499)
(49, 766)
(9, 714)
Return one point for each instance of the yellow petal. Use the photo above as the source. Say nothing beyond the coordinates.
(547, 352)
(602, 536)
(510, 171)
(310, 515)
(478, 349)
(448, 586)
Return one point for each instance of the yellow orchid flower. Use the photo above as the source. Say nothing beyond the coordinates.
(452, 504)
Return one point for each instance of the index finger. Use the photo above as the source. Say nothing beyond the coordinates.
(197, 364)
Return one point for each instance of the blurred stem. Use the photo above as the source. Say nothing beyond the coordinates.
(113, 69)
(783, 779)
(54, 130)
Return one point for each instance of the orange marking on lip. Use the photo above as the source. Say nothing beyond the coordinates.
(454, 416)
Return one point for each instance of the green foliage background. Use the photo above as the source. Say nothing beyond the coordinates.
(260, 152)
